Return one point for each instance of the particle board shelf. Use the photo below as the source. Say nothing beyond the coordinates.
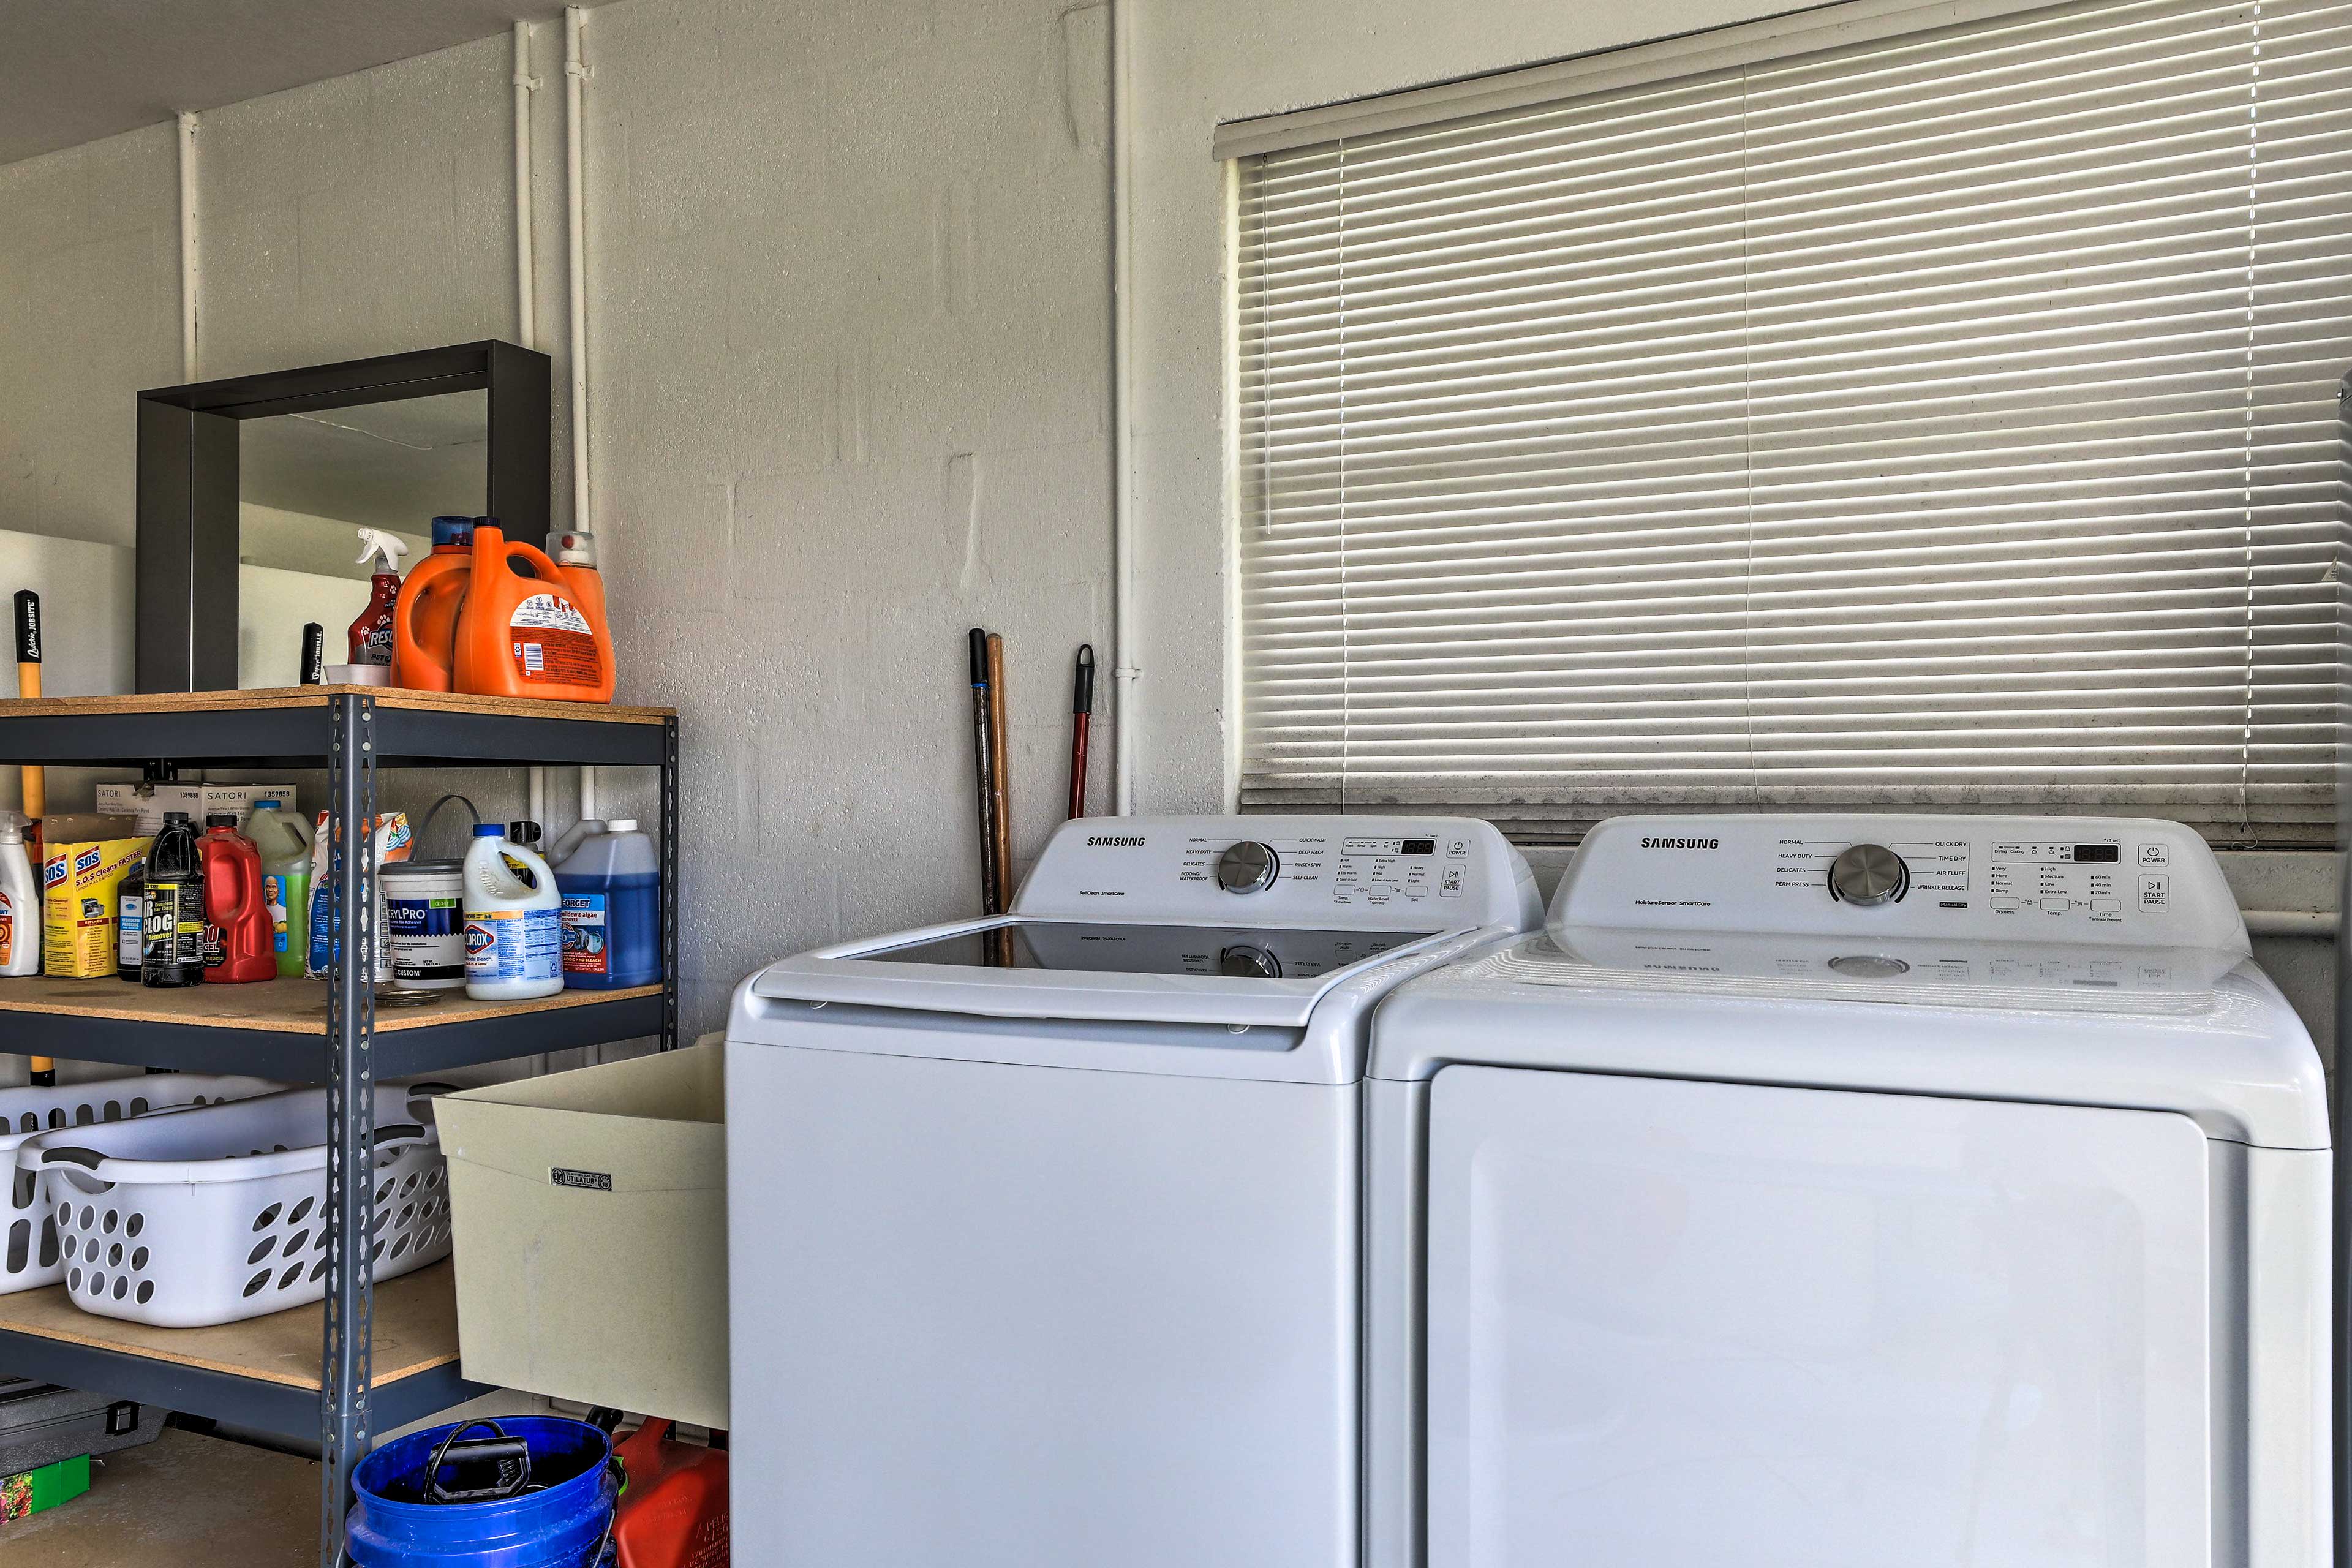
(188, 1500)
(277, 697)
(278, 1029)
(289, 726)
(263, 1372)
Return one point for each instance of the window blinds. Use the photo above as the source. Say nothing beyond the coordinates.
(1946, 420)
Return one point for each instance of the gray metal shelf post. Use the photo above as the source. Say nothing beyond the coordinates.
(348, 1352)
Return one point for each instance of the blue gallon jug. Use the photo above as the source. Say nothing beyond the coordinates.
(611, 887)
(525, 1492)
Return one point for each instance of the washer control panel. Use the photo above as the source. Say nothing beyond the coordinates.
(1377, 872)
(2110, 880)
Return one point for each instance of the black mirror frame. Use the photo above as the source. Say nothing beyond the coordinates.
(189, 483)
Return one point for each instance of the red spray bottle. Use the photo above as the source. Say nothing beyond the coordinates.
(371, 638)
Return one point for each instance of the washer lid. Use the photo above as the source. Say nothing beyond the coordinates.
(1112, 998)
(2198, 1031)
(1010, 967)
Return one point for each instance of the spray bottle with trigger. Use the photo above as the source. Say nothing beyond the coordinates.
(371, 637)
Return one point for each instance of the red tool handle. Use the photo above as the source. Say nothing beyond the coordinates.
(1082, 723)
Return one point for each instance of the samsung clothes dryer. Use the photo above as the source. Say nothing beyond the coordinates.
(1043, 1230)
(1853, 1190)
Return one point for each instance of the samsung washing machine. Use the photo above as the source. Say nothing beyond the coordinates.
(1045, 1230)
(1853, 1190)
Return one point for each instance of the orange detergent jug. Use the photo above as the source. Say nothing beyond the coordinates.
(536, 635)
(424, 617)
(674, 1514)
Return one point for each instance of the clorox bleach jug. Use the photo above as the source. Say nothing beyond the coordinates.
(540, 635)
(514, 921)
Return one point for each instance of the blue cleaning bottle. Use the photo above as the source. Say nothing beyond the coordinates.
(611, 887)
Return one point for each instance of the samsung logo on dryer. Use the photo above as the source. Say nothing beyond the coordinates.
(1681, 844)
(1108, 841)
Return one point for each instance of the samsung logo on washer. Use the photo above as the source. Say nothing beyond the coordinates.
(1103, 841)
(1680, 844)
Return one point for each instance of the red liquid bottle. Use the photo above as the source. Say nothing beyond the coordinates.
(240, 939)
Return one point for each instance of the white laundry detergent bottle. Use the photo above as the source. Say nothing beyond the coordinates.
(514, 921)
(20, 900)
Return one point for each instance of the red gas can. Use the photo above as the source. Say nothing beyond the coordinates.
(674, 1514)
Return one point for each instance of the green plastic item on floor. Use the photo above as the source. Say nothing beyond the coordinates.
(30, 1491)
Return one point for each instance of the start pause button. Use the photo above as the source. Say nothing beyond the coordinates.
(2156, 892)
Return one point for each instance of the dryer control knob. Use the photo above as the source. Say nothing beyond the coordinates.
(1247, 867)
(1241, 961)
(1868, 873)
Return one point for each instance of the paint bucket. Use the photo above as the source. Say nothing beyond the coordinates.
(525, 1492)
(424, 922)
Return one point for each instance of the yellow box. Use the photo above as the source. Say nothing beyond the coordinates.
(78, 888)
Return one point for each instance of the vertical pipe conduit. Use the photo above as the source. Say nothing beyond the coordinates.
(526, 280)
(188, 268)
(1125, 672)
(575, 73)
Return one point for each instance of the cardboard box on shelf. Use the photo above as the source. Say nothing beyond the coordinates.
(147, 802)
(590, 1216)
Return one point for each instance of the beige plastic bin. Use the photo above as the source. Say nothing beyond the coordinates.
(590, 1214)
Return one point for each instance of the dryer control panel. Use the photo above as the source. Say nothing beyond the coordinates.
(2091, 880)
(1361, 872)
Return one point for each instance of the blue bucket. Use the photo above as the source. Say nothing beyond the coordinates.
(562, 1521)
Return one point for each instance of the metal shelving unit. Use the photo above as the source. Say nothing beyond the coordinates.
(322, 1032)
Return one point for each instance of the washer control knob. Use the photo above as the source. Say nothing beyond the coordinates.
(1241, 961)
(1869, 966)
(1248, 867)
(1868, 873)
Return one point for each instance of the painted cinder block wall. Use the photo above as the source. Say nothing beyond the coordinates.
(849, 294)
(849, 281)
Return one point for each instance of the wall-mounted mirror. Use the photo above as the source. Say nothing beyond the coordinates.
(308, 482)
(251, 494)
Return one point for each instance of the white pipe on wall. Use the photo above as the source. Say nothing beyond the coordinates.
(1125, 672)
(188, 268)
(575, 72)
(526, 280)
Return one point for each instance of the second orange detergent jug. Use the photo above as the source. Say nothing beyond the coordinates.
(424, 617)
(540, 635)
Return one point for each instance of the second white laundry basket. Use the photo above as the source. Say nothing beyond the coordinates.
(30, 1253)
(211, 1215)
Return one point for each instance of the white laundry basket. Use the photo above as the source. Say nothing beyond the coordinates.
(208, 1217)
(31, 1255)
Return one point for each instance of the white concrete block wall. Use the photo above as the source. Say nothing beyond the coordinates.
(363, 215)
(849, 297)
(89, 314)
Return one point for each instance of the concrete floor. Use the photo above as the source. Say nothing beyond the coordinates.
(184, 1502)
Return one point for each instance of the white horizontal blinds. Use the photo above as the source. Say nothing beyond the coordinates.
(1948, 419)
(2302, 347)
(1492, 388)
